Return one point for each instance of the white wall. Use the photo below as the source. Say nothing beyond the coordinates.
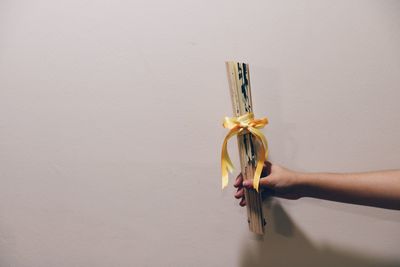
(110, 129)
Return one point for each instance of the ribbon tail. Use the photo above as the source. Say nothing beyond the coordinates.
(259, 168)
(261, 157)
(226, 163)
(226, 167)
(264, 144)
(224, 176)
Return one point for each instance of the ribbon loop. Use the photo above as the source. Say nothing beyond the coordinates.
(238, 126)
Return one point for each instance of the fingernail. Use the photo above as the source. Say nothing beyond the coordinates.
(246, 183)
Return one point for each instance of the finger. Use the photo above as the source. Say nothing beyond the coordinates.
(242, 202)
(239, 193)
(238, 181)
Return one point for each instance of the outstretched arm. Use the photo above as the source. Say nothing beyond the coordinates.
(378, 188)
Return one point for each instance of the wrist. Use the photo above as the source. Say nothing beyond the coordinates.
(303, 183)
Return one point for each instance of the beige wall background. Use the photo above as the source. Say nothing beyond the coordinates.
(110, 129)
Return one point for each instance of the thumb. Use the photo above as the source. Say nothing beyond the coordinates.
(248, 183)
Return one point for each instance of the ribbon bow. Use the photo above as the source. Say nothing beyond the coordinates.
(241, 125)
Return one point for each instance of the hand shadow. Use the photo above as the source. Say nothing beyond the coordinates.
(284, 244)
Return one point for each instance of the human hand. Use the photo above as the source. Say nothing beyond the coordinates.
(276, 181)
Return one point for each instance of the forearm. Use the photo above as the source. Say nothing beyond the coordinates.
(380, 189)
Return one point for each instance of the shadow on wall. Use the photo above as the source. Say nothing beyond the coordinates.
(286, 245)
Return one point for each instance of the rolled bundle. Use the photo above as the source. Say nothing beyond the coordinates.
(252, 145)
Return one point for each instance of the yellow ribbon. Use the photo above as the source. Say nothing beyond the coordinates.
(241, 125)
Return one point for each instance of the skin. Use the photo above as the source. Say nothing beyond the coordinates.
(378, 188)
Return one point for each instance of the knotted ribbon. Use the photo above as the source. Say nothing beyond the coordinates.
(242, 125)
